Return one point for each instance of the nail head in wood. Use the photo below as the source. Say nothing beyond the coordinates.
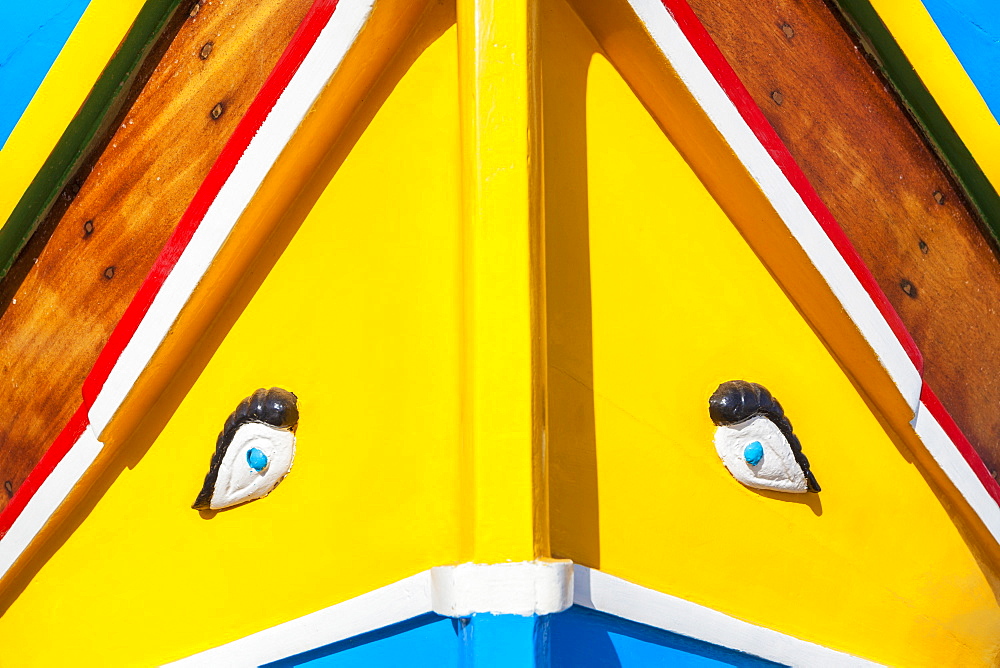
(777, 97)
(908, 288)
(88, 228)
(71, 191)
(788, 30)
(939, 197)
(923, 247)
(195, 8)
(206, 50)
(217, 111)
(109, 273)
(9, 488)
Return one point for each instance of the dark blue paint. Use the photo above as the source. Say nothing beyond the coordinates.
(31, 36)
(972, 29)
(256, 459)
(753, 453)
(582, 638)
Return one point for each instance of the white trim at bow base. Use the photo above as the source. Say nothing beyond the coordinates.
(525, 589)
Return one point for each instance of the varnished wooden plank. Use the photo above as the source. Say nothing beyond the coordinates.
(885, 186)
(893, 63)
(128, 70)
(118, 216)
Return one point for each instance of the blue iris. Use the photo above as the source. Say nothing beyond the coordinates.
(753, 453)
(256, 459)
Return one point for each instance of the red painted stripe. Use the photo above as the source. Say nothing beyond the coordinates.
(303, 40)
(962, 444)
(724, 74)
(288, 64)
(64, 441)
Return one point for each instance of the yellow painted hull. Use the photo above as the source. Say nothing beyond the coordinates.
(414, 341)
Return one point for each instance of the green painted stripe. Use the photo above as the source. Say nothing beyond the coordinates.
(89, 125)
(896, 67)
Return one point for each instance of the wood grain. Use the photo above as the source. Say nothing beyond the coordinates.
(75, 279)
(877, 174)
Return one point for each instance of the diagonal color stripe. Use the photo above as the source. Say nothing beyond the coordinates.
(311, 58)
(972, 29)
(31, 36)
(591, 588)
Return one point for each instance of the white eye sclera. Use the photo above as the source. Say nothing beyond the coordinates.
(758, 455)
(254, 444)
(254, 452)
(754, 438)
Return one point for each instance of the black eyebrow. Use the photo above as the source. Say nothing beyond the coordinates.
(276, 407)
(738, 400)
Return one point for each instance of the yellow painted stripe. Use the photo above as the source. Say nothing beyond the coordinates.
(943, 75)
(81, 61)
(500, 193)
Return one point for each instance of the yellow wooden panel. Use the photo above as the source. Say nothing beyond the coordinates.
(358, 317)
(874, 565)
(502, 427)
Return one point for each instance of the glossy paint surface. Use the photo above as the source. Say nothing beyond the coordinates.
(31, 36)
(81, 284)
(499, 641)
(947, 76)
(972, 28)
(481, 640)
(368, 285)
(429, 641)
(679, 304)
(363, 316)
(577, 637)
(57, 98)
(584, 638)
(500, 193)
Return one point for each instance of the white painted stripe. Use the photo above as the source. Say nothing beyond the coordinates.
(522, 588)
(606, 593)
(807, 231)
(951, 461)
(560, 583)
(786, 201)
(292, 106)
(48, 497)
(391, 604)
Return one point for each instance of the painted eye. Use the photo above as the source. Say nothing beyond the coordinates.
(256, 459)
(254, 452)
(755, 439)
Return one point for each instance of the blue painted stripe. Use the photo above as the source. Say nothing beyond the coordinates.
(31, 36)
(578, 637)
(501, 641)
(428, 641)
(588, 639)
(972, 29)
